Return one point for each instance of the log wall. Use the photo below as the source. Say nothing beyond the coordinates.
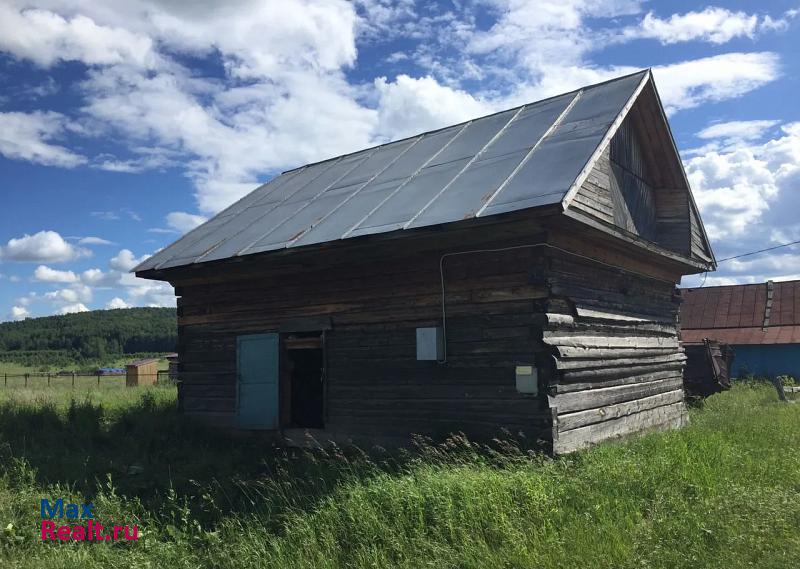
(617, 365)
(604, 342)
(376, 389)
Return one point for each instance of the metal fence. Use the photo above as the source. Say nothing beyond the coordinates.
(76, 379)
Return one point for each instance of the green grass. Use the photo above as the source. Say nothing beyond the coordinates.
(14, 368)
(723, 492)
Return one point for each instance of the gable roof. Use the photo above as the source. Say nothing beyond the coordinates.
(525, 157)
(765, 313)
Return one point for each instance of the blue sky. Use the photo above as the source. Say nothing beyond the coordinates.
(125, 123)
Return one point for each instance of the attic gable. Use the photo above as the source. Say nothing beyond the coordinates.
(635, 183)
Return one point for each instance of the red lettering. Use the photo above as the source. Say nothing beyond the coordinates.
(48, 530)
(135, 535)
(117, 529)
(63, 533)
(79, 533)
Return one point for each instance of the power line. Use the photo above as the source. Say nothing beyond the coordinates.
(705, 275)
(759, 251)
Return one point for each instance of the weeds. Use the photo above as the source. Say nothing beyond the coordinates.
(724, 492)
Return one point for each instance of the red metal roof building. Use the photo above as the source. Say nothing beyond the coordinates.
(761, 321)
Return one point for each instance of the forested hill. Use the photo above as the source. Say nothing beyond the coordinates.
(88, 336)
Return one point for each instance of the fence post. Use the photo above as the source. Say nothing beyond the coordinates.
(73, 379)
(48, 379)
(5, 380)
(26, 380)
(98, 379)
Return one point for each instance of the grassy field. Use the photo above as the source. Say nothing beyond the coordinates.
(12, 368)
(724, 492)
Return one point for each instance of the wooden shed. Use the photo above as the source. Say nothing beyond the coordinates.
(761, 322)
(516, 272)
(141, 372)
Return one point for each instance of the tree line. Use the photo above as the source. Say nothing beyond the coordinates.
(88, 336)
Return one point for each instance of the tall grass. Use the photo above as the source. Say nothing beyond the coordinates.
(724, 492)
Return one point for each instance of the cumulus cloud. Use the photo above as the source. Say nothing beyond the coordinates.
(75, 293)
(740, 130)
(713, 24)
(747, 194)
(690, 83)
(41, 247)
(19, 313)
(45, 38)
(152, 293)
(32, 136)
(47, 275)
(116, 303)
(72, 308)
(408, 105)
(125, 260)
(183, 222)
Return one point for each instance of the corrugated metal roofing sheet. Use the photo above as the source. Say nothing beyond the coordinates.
(735, 314)
(521, 158)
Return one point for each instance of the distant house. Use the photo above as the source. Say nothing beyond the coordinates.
(760, 321)
(172, 360)
(514, 272)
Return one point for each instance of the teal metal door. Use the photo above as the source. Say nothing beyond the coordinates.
(257, 381)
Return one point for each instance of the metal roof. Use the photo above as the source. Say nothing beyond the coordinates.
(765, 313)
(521, 158)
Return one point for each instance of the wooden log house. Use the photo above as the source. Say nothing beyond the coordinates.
(516, 272)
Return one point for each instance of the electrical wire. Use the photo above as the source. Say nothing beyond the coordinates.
(759, 251)
(705, 275)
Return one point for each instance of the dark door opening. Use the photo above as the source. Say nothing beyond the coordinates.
(306, 376)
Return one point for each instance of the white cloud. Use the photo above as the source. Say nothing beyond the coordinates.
(26, 300)
(152, 293)
(72, 308)
(713, 24)
(739, 130)
(30, 136)
(41, 247)
(125, 260)
(690, 83)
(408, 106)
(73, 294)
(747, 194)
(183, 222)
(94, 241)
(116, 303)
(47, 38)
(96, 277)
(47, 275)
(19, 313)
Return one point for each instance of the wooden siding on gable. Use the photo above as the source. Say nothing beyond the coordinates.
(698, 245)
(616, 192)
(637, 185)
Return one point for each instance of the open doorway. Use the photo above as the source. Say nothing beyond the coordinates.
(305, 367)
